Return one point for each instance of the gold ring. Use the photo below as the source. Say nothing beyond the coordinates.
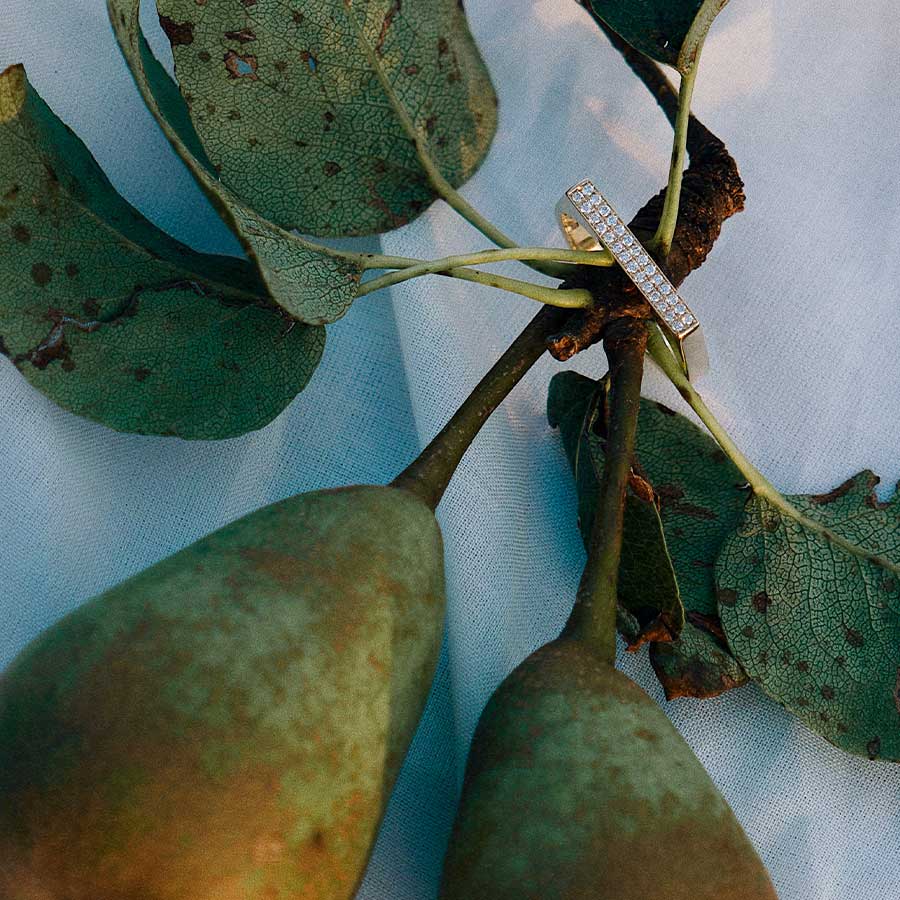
(589, 222)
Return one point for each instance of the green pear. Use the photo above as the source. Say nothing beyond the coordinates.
(579, 788)
(228, 724)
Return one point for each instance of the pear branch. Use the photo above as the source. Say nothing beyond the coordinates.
(593, 618)
(429, 475)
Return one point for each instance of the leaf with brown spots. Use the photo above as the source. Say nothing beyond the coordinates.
(311, 283)
(816, 625)
(111, 318)
(700, 503)
(671, 31)
(316, 82)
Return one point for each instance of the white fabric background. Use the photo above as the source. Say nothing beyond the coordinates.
(802, 327)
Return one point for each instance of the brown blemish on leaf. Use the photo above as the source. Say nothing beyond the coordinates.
(411, 70)
(204, 56)
(802, 665)
(692, 676)
(827, 692)
(244, 36)
(889, 585)
(178, 33)
(645, 734)
(761, 602)
(671, 497)
(41, 274)
(91, 306)
(21, 234)
(442, 46)
(142, 374)
(711, 624)
(72, 270)
(873, 747)
(386, 24)
(835, 494)
(239, 66)
(726, 596)
(331, 169)
(854, 638)
(297, 16)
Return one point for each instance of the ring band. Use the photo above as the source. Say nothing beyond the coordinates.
(589, 222)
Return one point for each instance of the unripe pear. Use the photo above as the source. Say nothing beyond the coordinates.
(228, 724)
(578, 787)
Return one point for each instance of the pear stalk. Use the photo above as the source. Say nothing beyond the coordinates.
(428, 476)
(593, 617)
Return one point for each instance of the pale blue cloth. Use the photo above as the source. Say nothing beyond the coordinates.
(800, 303)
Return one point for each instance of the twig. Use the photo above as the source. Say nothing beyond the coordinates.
(593, 617)
(429, 475)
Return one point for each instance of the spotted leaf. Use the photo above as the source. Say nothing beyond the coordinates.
(310, 282)
(114, 320)
(817, 624)
(305, 108)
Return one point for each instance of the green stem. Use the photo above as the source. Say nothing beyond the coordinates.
(429, 475)
(442, 187)
(573, 298)
(669, 218)
(593, 617)
(452, 266)
(485, 257)
(662, 355)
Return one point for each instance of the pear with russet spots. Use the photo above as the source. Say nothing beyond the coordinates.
(578, 787)
(228, 724)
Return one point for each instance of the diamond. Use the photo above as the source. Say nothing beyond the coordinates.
(680, 308)
(647, 287)
(650, 271)
(644, 260)
(577, 196)
(665, 288)
(688, 319)
(585, 207)
(628, 240)
(617, 248)
(619, 229)
(668, 315)
(656, 297)
(587, 189)
(678, 326)
(632, 267)
(612, 220)
(605, 210)
(594, 217)
(595, 200)
(660, 305)
(658, 279)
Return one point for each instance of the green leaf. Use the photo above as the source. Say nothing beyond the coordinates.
(296, 103)
(114, 320)
(817, 624)
(312, 283)
(671, 31)
(649, 600)
(700, 504)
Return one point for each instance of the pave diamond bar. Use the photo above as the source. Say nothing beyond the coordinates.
(615, 235)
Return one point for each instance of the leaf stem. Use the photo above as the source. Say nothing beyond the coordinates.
(593, 617)
(662, 355)
(428, 476)
(665, 231)
(442, 187)
(453, 266)
(485, 257)
(574, 298)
